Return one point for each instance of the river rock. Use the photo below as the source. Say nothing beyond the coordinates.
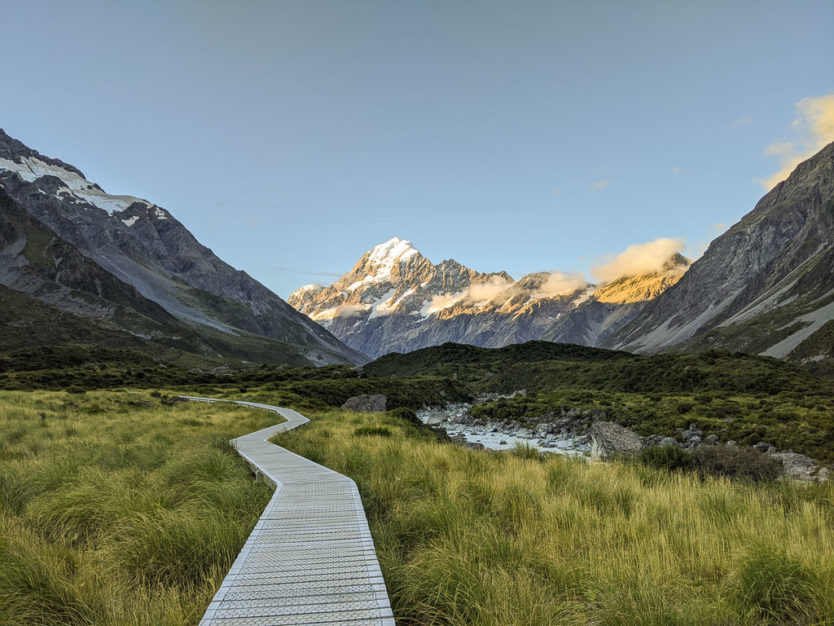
(435, 418)
(609, 439)
(366, 403)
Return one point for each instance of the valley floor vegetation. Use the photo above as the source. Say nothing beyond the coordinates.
(475, 537)
(118, 507)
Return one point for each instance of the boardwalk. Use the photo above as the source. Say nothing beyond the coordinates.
(310, 558)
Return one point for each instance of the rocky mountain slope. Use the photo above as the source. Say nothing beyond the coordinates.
(129, 249)
(396, 300)
(765, 286)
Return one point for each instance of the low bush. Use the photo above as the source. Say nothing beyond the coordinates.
(737, 462)
(666, 457)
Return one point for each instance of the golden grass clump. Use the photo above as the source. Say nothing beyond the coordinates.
(118, 509)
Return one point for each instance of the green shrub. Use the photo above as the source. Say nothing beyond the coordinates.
(407, 415)
(738, 462)
(666, 457)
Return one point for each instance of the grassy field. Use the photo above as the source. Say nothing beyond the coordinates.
(486, 538)
(117, 508)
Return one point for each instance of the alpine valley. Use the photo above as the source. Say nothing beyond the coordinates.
(764, 286)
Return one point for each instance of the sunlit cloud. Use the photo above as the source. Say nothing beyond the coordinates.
(602, 184)
(639, 258)
(497, 290)
(813, 128)
(559, 284)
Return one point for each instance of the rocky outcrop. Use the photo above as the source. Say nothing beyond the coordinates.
(609, 439)
(366, 403)
(395, 300)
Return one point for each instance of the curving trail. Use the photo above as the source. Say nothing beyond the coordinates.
(310, 558)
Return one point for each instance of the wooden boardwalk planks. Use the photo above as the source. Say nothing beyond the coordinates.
(310, 558)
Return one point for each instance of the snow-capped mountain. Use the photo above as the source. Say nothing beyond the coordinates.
(142, 245)
(766, 286)
(395, 299)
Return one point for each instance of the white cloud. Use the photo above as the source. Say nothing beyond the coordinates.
(639, 258)
(494, 289)
(444, 301)
(558, 284)
(813, 129)
(497, 290)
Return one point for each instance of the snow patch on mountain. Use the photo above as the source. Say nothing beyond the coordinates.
(31, 169)
(393, 250)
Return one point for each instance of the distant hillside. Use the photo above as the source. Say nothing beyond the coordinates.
(127, 262)
(538, 366)
(766, 286)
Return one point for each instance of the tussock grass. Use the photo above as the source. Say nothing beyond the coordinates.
(512, 538)
(117, 509)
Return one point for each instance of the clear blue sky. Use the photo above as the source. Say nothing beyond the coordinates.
(291, 136)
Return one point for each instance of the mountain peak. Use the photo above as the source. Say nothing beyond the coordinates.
(677, 260)
(395, 249)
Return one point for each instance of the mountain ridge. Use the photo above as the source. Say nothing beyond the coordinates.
(143, 245)
(395, 299)
(764, 286)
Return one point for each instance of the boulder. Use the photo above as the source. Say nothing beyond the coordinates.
(435, 418)
(609, 439)
(799, 466)
(366, 403)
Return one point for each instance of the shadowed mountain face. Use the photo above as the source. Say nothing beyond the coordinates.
(765, 286)
(396, 300)
(137, 244)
